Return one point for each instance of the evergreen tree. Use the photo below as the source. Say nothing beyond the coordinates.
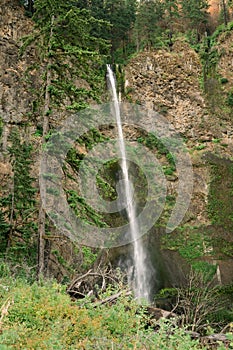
(195, 15)
(171, 15)
(224, 15)
(4, 230)
(64, 37)
(67, 50)
(120, 14)
(148, 28)
(19, 206)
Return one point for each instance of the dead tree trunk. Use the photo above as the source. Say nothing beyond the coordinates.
(42, 215)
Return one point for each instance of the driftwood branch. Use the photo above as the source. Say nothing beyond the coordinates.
(228, 326)
(94, 282)
(77, 279)
(112, 298)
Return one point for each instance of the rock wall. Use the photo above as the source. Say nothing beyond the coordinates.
(170, 83)
(14, 93)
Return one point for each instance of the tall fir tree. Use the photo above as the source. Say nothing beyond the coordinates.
(224, 14)
(148, 23)
(19, 206)
(69, 52)
(120, 14)
(195, 15)
(171, 16)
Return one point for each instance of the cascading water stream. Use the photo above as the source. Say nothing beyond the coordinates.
(141, 274)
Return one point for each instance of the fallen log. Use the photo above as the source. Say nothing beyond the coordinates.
(94, 282)
(158, 313)
(112, 298)
(213, 341)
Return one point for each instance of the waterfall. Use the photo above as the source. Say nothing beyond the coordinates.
(140, 282)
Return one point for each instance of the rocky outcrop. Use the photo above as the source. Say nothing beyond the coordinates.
(170, 83)
(14, 24)
(15, 104)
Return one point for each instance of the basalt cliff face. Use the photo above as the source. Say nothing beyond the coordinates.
(14, 93)
(170, 83)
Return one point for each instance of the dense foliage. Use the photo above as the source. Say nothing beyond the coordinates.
(18, 206)
(42, 316)
(134, 25)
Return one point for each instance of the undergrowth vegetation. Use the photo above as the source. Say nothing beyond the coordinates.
(41, 315)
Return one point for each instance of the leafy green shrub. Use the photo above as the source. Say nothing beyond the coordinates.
(223, 80)
(89, 257)
(42, 316)
(200, 147)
